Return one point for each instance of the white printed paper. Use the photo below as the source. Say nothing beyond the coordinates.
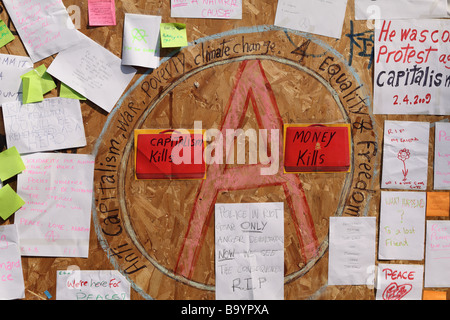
(442, 156)
(56, 218)
(399, 282)
(94, 72)
(322, 17)
(437, 254)
(53, 124)
(11, 68)
(44, 26)
(11, 275)
(249, 251)
(400, 9)
(211, 9)
(141, 40)
(405, 155)
(352, 251)
(412, 67)
(91, 285)
(402, 225)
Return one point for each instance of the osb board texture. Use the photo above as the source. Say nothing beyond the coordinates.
(158, 213)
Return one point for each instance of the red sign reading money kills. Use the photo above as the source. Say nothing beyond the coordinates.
(316, 148)
(155, 151)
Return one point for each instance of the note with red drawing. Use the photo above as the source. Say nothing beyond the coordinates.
(399, 282)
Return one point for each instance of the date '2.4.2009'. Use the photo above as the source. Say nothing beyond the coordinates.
(416, 100)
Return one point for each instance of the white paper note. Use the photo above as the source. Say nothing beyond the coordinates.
(400, 9)
(405, 155)
(412, 67)
(11, 68)
(249, 251)
(402, 225)
(44, 26)
(322, 17)
(91, 285)
(94, 72)
(141, 40)
(53, 124)
(352, 251)
(399, 282)
(442, 156)
(437, 254)
(57, 189)
(11, 275)
(211, 9)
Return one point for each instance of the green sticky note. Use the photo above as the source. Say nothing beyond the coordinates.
(10, 202)
(31, 89)
(11, 163)
(173, 35)
(47, 83)
(67, 92)
(5, 34)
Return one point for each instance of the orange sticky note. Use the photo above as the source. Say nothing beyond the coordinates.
(438, 204)
(434, 295)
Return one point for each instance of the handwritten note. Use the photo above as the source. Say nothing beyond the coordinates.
(352, 251)
(437, 254)
(91, 285)
(11, 68)
(173, 35)
(249, 251)
(11, 274)
(94, 72)
(5, 34)
(102, 12)
(412, 62)
(211, 9)
(309, 16)
(399, 282)
(400, 9)
(54, 124)
(55, 220)
(43, 25)
(11, 163)
(141, 40)
(442, 156)
(402, 225)
(10, 200)
(405, 155)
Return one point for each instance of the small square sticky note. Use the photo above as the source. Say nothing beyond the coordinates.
(173, 35)
(438, 204)
(47, 83)
(102, 12)
(11, 163)
(31, 89)
(67, 92)
(434, 295)
(10, 202)
(5, 34)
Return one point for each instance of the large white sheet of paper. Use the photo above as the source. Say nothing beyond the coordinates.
(91, 285)
(400, 9)
(53, 124)
(11, 274)
(322, 17)
(352, 251)
(94, 72)
(249, 251)
(437, 254)
(55, 220)
(402, 225)
(405, 155)
(141, 40)
(206, 9)
(399, 282)
(44, 26)
(442, 156)
(11, 68)
(412, 67)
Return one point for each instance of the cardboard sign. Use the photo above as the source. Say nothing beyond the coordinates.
(167, 154)
(316, 148)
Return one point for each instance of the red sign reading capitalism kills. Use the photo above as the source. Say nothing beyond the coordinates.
(154, 151)
(316, 148)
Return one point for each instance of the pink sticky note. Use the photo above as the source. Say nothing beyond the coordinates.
(102, 12)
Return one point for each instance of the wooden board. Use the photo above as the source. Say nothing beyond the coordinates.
(234, 74)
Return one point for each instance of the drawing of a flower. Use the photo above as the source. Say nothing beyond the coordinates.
(403, 155)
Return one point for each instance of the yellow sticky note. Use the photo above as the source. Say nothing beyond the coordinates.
(434, 295)
(31, 89)
(67, 92)
(46, 80)
(10, 202)
(5, 34)
(438, 204)
(11, 163)
(173, 35)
